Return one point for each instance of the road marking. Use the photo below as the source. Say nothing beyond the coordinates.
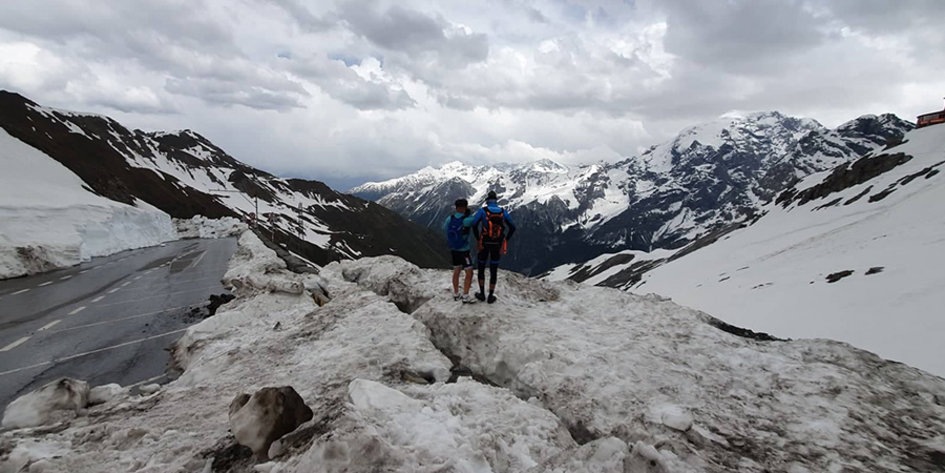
(45, 284)
(83, 271)
(76, 311)
(163, 295)
(114, 290)
(15, 344)
(92, 352)
(125, 283)
(21, 291)
(194, 264)
(98, 298)
(68, 276)
(146, 381)
(137, 278)
(122, 319)
(50, 325)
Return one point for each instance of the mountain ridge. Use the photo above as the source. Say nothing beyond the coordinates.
(707, 177)
(184, 174)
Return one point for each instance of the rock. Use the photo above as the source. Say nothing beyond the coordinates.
(258, 420)
(149, 389)
(40, 406)
(105, 393)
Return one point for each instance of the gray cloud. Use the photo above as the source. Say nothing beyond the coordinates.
(341, 90)
(415, 33)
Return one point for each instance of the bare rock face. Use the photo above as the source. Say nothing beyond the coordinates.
(43, 405)
(259, 420)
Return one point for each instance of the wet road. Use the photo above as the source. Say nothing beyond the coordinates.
(110, 320)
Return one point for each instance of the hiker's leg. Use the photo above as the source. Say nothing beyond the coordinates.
(468, 282)
(468, 268)
(493, 275)
(481, 263)
(456, 271)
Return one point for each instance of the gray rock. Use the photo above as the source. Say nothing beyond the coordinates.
(259, 420)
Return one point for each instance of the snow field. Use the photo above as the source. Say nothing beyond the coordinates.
(771, 276)
(661, 377)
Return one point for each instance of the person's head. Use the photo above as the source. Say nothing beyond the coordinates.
(491, 196)
(461, 205)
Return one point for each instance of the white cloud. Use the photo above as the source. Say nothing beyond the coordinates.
(346, 91)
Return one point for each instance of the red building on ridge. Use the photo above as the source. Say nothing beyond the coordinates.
(930, 119)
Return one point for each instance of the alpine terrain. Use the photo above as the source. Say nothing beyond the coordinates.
(854, 253)
(391, 374)
(80, 185)
(704, 179)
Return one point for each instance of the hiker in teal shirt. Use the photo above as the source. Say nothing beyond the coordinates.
(456, 227)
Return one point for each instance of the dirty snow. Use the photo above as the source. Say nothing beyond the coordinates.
(584, 379)
(203, 227)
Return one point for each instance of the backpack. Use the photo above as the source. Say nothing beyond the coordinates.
(456, 234)
(494, 225)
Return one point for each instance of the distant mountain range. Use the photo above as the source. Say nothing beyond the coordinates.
(183, 174)
(706, 178)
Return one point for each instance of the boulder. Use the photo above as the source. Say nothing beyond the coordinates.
(258, 420)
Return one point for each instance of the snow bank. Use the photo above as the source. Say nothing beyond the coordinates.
(586, 380)
(663, 378)
(203, 227)
(772, 276)
(48, 220)
(46, 403)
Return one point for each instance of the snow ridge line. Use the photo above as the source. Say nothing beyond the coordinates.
(402, 292)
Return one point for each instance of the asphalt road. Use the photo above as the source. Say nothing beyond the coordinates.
(110, 320)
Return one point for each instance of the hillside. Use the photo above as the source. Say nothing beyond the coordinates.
(708, 177)
(852, 254)
(183, 174)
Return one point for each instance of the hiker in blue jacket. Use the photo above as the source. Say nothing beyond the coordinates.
(457, 235)
(493, 229)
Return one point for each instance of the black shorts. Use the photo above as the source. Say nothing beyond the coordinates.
(461, 259)
(491, 252)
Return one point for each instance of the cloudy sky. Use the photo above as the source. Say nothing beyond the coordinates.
(349, 91)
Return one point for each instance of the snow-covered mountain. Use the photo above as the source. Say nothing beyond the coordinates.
(180, 174)
(391, 374)
(707, 177)
(854, 254)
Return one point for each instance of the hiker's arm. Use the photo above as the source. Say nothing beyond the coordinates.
(509, 223)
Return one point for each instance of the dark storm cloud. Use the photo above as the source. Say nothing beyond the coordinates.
(740, 36)
(415, 33)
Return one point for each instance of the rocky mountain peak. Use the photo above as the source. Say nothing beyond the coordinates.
(708, 176)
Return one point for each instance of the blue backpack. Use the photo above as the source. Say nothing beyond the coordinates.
(456, 233)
